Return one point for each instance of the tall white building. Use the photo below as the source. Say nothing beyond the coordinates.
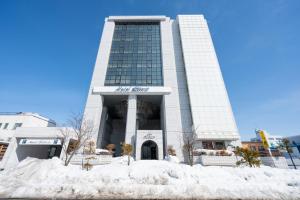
(156, 80)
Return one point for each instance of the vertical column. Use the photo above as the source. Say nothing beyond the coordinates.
(131, 120)
(101, 132)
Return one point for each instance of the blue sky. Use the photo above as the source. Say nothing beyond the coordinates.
(48, 50)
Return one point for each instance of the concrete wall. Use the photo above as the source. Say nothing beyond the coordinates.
(176, 114)
(210, 106)
(94, 103)
(278, 162)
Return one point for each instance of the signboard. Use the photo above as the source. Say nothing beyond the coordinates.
(40, 142)
(132, 89)
(149, 136)
(264, 139)
(135, 90)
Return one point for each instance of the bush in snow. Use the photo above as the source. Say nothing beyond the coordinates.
(88, 165)
(249, 157)
(171, 151)
(110, 148)
(90, 147)
(127, 150)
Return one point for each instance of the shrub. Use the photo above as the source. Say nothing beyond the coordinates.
(171, 150)
(249, 157)
(110, 148)
(127, 150)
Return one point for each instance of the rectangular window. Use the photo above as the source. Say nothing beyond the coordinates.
(5, 126)
(17, 125)
(136, 53)
(0, 125)
(207, 145)
(220, 145)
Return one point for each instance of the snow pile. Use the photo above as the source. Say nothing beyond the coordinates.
(34, 178)
(172, 159)
(102, 152)
(213, 152)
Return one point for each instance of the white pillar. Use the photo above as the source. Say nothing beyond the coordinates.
(131, 120)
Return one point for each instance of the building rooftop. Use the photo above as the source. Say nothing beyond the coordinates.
(27, 114)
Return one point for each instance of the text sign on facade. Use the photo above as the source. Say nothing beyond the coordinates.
(149, 136)
(40, 142)
(132, 89)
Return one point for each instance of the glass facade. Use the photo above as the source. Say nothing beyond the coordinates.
(135, 56)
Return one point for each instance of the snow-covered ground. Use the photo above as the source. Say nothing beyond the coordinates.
(34, 178)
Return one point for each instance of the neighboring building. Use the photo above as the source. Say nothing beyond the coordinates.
(11, 123)
(295, 143)
(273, 140)
(155, 80)
(258, 146)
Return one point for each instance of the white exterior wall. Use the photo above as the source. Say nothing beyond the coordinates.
(94, 104)
(177, 115)
(131, 120)
(210, 106)
(27, 120)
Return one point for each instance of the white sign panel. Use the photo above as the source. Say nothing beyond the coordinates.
(40, 142)
(125, 90)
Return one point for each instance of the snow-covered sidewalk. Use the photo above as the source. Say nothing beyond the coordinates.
(34, 178)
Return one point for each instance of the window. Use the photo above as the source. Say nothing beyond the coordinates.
(5, 126)
(17, 125)
(220, 145)
(0, 125)
(3, 148)
(207, 145)
(135, 55)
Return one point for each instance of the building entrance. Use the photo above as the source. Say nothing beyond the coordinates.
(149, 151)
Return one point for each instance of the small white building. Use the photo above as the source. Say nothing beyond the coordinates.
(19, 125)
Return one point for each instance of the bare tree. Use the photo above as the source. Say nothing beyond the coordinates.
(189, 140)
(75, 136)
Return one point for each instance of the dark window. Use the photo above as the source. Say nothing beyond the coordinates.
(17, 125)
(135, 56)
(5, 126)
(220, 145)
(207, 145)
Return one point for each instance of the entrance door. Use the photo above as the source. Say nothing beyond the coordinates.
(149, 151)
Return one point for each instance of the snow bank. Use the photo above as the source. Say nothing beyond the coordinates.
(173, 159)
(34, 178)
